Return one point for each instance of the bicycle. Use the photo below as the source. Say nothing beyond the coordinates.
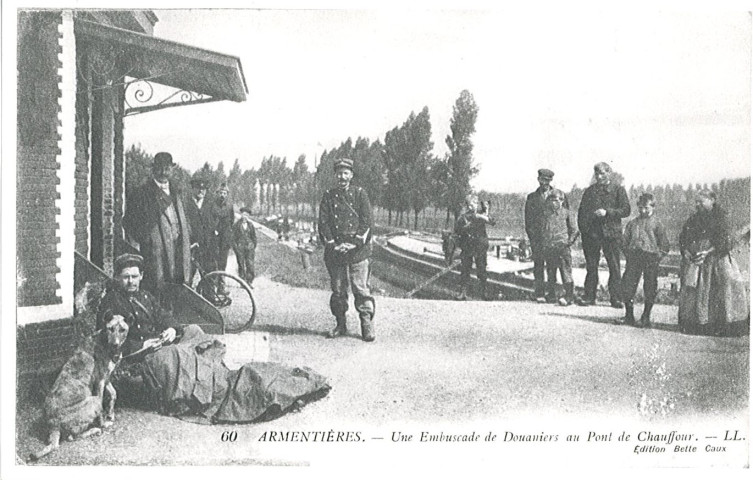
(230, 294)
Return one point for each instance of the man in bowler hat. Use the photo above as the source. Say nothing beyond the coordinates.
(156, 219)
(345, 226)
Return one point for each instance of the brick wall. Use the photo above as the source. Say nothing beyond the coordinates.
(37, 164)
(44, 347)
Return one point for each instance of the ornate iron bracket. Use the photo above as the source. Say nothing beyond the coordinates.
(142, 95)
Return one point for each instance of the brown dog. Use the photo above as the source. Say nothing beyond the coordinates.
(74, 405)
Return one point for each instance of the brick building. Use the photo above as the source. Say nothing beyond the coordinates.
(80, 72)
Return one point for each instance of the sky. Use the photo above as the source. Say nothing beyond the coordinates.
(665, 97)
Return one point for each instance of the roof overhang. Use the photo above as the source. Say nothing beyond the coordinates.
(195, 75)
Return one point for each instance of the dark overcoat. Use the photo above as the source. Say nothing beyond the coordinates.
(145, 221)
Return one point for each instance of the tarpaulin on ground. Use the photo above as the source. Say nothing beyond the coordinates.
(190, 380)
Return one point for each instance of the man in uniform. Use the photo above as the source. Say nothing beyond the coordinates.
(148, 323)
(535, 213)
(345, 226)
(197, 212)
(600, 215)
(155, 218)
(470, 229)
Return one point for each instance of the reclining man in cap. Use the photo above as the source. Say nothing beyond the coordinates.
(345, 229)
(155, 218)
(149, 324)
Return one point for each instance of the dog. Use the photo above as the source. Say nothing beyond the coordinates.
(74, 406)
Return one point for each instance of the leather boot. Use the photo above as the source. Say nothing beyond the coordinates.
(646, 315)
(629, 315)
(340, 330)
(367, 328)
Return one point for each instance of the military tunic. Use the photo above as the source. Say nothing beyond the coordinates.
(345, 217)
(142, 312)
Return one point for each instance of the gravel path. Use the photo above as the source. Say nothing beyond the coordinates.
(444, 365)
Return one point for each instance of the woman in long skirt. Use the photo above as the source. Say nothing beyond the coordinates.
(713, 296)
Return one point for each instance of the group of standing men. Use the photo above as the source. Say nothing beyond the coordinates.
(599, 222)
(168, 226)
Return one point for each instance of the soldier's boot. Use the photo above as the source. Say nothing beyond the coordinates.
(340, 329)
(646, 315)
(367, 327)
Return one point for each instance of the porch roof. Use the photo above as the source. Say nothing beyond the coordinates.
(177, 65)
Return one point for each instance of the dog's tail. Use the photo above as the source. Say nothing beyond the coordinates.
(52, 445)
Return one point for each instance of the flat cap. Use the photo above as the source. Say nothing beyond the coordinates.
(223, 187)
(247, 210)
(546, 173)
(344, 163)
(163, 159)
(128, 260)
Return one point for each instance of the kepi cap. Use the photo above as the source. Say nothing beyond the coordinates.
(128, 260)
(246, 210)
(546, 173)
(344, 163)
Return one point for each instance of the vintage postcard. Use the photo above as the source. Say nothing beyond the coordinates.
(375, 238)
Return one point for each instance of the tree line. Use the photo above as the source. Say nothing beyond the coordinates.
(400, 174)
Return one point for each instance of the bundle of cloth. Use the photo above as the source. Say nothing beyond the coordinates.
(190, 380)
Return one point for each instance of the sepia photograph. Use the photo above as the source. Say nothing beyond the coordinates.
(350, 239)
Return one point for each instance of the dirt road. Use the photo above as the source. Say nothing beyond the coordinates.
(455, 367)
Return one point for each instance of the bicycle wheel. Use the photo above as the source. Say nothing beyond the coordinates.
(237, 306)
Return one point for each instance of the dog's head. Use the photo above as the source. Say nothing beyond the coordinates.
(116, 331)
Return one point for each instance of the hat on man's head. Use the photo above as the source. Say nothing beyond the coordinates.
(344, 163)
(223, 186)
(128, 260)
(163, 159)
(546, 173)
(198, 182)
(246, 210)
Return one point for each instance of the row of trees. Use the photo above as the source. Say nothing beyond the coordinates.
(401, 174)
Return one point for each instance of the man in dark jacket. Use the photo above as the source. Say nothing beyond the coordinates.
(535, 213)
(155, 218)
(470, 229)
(148, 323)
(222, 218)
(197, 212)
(345, 230)
(244, 245)
(600, 215)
